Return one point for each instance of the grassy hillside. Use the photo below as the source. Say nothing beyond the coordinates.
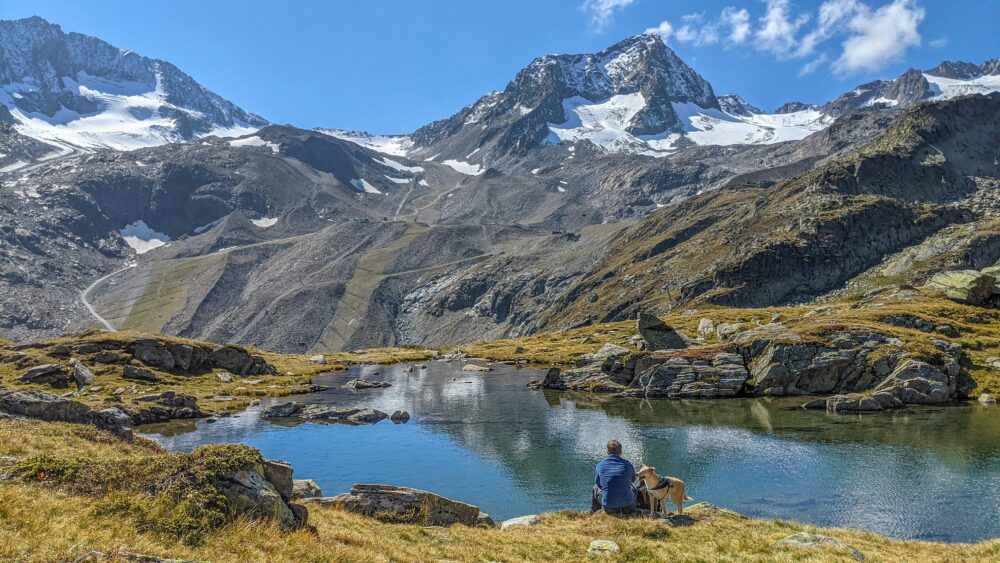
(46, 519)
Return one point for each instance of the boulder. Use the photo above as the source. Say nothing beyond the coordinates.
(164, 407)
(188, 358)
(224, 377)
(474, 367)
(860, 402)
(247, 491)
(658, 335)
(305, 488)
(987, 399)
(279, 473)
(46, 406)
(964, 286)
(724, 330)
(552, 379)
(81, 374)
(607, 353)
(721, 375)
(317, 359)
(399, 417)
(809, 540)
(139, 374)
(237, 360)
(603, 547)
(706, 327)
(520, 522)
(46, 374)
(917, 382)
(327, 413)
(152, 353)
(359, 384)
(403, 504)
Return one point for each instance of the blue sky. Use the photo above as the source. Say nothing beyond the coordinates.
(389, 66)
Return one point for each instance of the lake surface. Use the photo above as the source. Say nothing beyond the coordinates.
(487, 439)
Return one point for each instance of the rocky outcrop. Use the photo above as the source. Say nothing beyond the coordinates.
(135, 373)
(248, 492)
(658, 335)
(326, 413)
(965, 286)
(46, 406)
(46, 374)
(719, 375)
(403, 504)
(164, 407)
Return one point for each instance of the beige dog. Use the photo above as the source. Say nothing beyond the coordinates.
(662, 488)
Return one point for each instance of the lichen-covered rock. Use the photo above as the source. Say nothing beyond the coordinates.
(305, 488)
(248, 492)
(965, 286)
(658, 335)
(403, 504)
(721, 375)
(917, 382)
(813, 541)
(603, 547)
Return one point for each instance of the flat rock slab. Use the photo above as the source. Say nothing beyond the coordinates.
(327, 413)
(520, 522)
(603, 547)
(814, 541)
(359, 384)
(403, 504)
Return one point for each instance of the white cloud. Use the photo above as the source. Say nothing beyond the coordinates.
(880, 38)
(738, 22)
(939, 42)
(833, 14)
(732, 26)
(602, 12)
(664, 30)
(778, 30)
(811, 66)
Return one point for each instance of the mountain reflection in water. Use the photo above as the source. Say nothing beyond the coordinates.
(487, 439)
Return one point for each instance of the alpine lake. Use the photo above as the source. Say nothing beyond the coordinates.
(490, 440)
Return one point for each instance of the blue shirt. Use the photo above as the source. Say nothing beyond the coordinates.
(614, 477)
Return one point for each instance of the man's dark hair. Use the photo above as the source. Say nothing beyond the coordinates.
(614, 447)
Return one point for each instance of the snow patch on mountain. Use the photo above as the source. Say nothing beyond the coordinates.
(466, 168)
(265, 222)
(363, 186)
(255, 141)
(948, 88)
(605, 124)
(143, 238)
(396, 145)
(401, 167)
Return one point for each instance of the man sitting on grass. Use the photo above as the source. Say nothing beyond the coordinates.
(613, 489)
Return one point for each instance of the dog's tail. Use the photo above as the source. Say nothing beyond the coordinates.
(687, 498)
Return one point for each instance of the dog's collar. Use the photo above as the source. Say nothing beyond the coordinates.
(663, 484)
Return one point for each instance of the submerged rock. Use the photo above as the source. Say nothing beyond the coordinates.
(474, 367)
(403, 504)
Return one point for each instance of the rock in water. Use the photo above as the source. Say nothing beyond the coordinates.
(359, 384)
(987, 399)
(814, 541)
(403, 504)
(657, 334)
(603, 547)
(305, 488)
(965, 286)
(400, 417)
(474, 367)
(348, 415)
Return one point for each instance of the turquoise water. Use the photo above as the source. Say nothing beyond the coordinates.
(489, 440)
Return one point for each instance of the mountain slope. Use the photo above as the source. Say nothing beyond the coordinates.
(79, 92)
